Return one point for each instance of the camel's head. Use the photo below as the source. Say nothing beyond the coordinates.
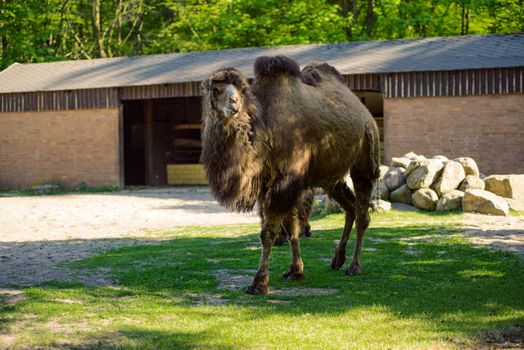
(225, 90)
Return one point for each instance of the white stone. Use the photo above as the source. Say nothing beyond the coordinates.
(380, 206)
(425, 198)
(452, 175)
(470, 166)
(401, 195)
(424, 174)
(484, 202)
(394, 178)
(383, 169)
(450, 201)
(400, 162)
(383, 191)
(509, 186)
(472, 182)
(442, 158)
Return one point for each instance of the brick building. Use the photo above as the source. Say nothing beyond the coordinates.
(136, 120)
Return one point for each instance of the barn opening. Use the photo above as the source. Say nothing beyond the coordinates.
(374, 101)
(162, 142)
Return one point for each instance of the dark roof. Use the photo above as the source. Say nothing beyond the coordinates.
(429, 54)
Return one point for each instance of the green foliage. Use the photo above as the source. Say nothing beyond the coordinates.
(47, 30)
(249, 23)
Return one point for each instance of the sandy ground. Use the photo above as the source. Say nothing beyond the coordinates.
(39, 234)
(109, 215)
(497, 232)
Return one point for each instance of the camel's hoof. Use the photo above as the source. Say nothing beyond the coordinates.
(338, 261)
(257, 289)
(353, 270)
(293, 276)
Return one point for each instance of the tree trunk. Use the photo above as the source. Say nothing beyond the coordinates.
(344, 10)
(467, 20)
(371, 18)
(463, 18)
(99, 42)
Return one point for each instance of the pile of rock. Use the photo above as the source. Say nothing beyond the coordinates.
(442, 184)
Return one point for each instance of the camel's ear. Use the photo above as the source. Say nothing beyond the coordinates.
(205, 86)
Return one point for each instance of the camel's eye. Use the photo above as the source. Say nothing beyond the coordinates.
(215, 90)
(243, 91)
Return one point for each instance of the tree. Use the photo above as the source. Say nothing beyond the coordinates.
(47, 30)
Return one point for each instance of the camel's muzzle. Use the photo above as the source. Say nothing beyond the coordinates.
(232, 105)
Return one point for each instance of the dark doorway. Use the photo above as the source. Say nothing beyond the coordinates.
(374, 102)
(160, 134)
(134, 144)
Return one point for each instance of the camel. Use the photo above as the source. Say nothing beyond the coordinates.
(303, 207)
(288, 132)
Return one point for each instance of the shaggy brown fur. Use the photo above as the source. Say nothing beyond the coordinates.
(308, 130)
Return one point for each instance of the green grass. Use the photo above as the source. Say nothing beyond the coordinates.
(516, 212)
(438, 292)
(80, 188)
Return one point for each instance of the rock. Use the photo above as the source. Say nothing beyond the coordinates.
(442, 158)
(410, 155)
(401, 195)
(383, 170)
(331, 206)
(394, 178)
(412, 166)
(413, 156)
(484, 202)
(515, 205)
(383, 191)
(380, 206)
(472, 182)
(46, 188)
(452, 175)
(403, 207)
(509, 186)
(425, 198)
(424, 173)
(470, 166)
(400, 162)
(450, 201)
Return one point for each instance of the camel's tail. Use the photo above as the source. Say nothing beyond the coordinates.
(373, 142)
(276, 65)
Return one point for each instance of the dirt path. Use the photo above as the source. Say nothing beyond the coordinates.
(110, 215)
(39, 233)
(497, 232)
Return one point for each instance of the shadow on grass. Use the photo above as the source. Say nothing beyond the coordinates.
(413, 272)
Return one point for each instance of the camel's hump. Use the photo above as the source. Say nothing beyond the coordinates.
(276, 65)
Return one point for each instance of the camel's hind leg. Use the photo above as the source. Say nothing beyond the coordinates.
(296, 270)
(343, 195)
(363, 187)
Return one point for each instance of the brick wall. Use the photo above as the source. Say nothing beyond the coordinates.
(65, 146)
(489, 129)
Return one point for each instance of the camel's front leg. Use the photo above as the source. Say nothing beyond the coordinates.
(267, 237)
(296, 270)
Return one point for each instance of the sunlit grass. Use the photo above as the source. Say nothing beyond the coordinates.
(423, 286)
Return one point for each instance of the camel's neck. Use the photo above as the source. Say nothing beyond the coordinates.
(231, 163)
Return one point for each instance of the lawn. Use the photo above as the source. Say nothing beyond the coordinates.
(423, 287)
